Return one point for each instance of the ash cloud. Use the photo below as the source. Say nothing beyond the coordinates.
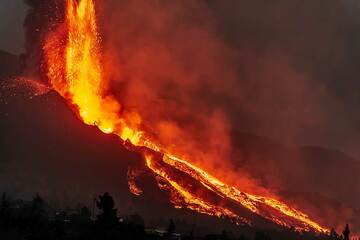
(202, 72)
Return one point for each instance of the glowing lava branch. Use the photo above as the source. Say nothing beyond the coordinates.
(134, 189)
(191, 201)
(73, 58)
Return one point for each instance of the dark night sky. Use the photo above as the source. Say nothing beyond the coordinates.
(320, 43)
(12, 14)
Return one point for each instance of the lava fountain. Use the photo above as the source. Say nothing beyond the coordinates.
(74, 69)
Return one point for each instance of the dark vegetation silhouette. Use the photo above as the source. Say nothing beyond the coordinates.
(346, 232)
(108, 217)
(170, 229)
(36, 219)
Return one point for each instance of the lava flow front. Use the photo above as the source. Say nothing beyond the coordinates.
(73, 58)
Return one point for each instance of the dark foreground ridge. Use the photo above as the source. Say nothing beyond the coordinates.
(37, 219)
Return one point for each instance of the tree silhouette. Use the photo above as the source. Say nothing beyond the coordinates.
(4, 205)
(37, 210)
(170, 229)
(346, 232)
(108, 216)
(4, 210)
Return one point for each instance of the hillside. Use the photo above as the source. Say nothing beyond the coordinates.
(46, 149)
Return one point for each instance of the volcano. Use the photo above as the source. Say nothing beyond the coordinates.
(74, 68)
(73, 60)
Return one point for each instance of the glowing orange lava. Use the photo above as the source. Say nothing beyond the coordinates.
(134, 189)
(73, 58)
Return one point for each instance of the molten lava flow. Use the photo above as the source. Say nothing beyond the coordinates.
(185, 197)
(75, 72)
(131, 176)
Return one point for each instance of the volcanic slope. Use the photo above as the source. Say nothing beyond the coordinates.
(45, 149)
